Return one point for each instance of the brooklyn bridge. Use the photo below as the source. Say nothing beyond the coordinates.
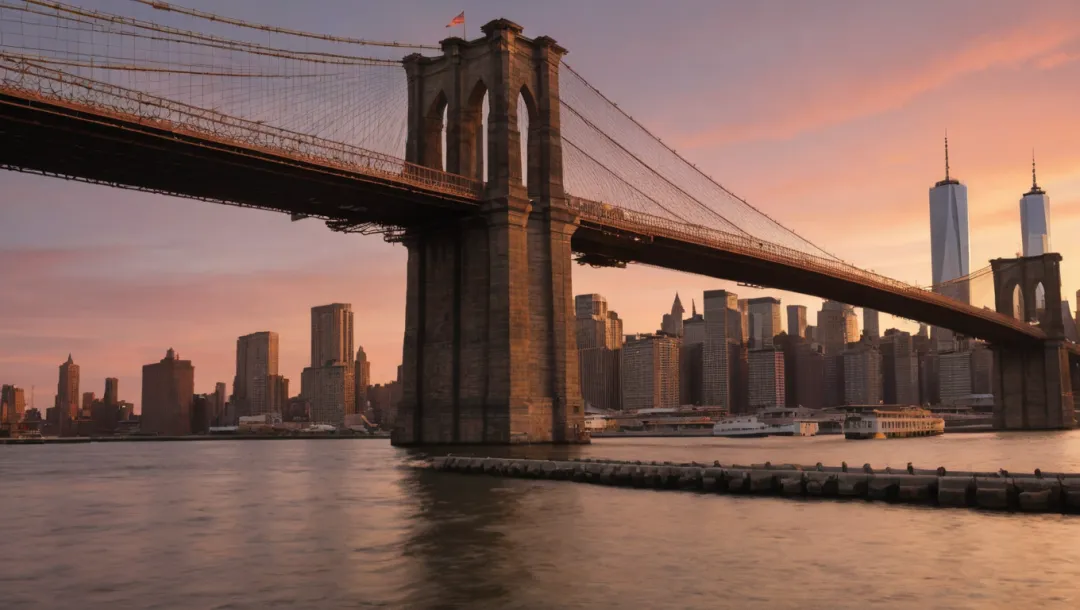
(492, 160)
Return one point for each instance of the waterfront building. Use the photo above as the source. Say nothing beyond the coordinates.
(690, 369)
(67, 390)
(949, 252)
(723, 333)
(168, 388)
(361, 381)
(88, 399)
(12, 404)
(955, 375)
(804, 372)
(764, 315)
(331, 334)
(870, 324)
(900, 368)
(595, 324)
(1035, 218)
(256, 369)
(862, 374)
(329, 392)
(796, 320)
(766, 378)
(600, 379)
(650, 372)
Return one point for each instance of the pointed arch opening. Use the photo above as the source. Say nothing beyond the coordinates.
(434, 150)
(529, 129)
(1018, 303)
(473, 161)
(1040, 303)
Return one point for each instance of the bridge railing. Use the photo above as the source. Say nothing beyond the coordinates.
(647, 225)
(32, 79)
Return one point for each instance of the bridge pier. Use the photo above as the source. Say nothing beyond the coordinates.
(1033, 383)
(490, 354)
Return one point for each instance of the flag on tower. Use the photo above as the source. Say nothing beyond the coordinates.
(459, 20)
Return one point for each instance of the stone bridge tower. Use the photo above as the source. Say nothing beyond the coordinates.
(490, 354)
(1033, 384)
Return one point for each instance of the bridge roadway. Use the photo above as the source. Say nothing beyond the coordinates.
(226, 160)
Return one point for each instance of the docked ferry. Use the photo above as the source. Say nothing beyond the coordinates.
(903, 422)
(749, 426)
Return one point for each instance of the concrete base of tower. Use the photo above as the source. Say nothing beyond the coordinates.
(1033, 387)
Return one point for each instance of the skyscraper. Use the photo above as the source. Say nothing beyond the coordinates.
(870, 323)
(331, 334)
(900, 369)
(361, 380)
(766, 379)
(765, 315)
(862, 374)
(723, 328)
(596, 325)
(67, 393)
(12, 404)
(949, 243)
(832, 331)
(257, 379)
(168, 388)
(1035, 218)
(796, 320)
(112, 391)
(650, 372)
(672, 323)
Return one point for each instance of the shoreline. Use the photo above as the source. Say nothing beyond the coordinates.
(79, 440)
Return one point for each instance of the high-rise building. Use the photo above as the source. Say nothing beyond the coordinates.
(870, 323)
(112, 391)
(614, 335)
(217, 414)
(765, 315)
(257, 375)
(694, 327)
(955, 375)
(796, 320)
(851, 324)
(832, 331)
(743, 305)
(948, 244)
(600, 379)
(766, 387)
(168, 388)
(723, 328)
(690, 370)
(361, 381)
(650, 372)
(900, 369)
(87, 404)
(329, 392)
(1035, 218)
(596, 325)
(672, 323)
(862, 374)
(982, 369)
(809, 376)
(331, 334)
(67, 394)
(12, 404)
(812, 333)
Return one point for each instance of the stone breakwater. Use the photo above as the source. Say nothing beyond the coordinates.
(1037, 492)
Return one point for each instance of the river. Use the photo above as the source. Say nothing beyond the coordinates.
(354, 524)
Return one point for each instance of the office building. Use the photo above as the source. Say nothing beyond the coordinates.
(1035, 218)
(862, 374)
(982, 369)
(954, 375)
(600, 379)
(832, 331)
(361, 381)
(168, 388)
(112, 391)
(88, 399)
(743, 306)
(900, 369)
(812, 333)
(331, 334)
(870, 324)
(766, 378)
(650, 372)
(796, 320)
(764, 315)
(690, 370)
(256, 386)
(723, 329)
(694, 327)
(596, 326)
(672, 323)
(12, 404)
(328, 391)
(948, 245)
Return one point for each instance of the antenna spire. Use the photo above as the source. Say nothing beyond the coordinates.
(946, 155)
(1034, 184)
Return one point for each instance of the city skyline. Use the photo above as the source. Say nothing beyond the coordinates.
(180, 266)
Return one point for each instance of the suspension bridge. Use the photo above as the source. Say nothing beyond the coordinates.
(492, 160)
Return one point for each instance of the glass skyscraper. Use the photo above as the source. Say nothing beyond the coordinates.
(949, 244)
(1035, 218)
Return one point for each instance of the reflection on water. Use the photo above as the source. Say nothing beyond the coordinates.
(316, 524)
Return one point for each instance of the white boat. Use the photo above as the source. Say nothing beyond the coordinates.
(749, 426)
(892, 423)
(741, 426)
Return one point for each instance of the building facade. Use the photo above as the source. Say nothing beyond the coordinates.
(862, 374)
(256, 371)
(67, 392)
(1035, 219)
(870, 324)
(331, 334)
(112, 391)
(900, 369)
(723, 329)
(650, 372)
(600, 379)
(796, 320)
(949, 253)
(12, 404)
(361, 381)
(672, 323)
(766, 378)
(764, 321)
(328, 391)
(168, 389)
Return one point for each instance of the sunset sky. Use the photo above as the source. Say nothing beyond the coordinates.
(828, 116)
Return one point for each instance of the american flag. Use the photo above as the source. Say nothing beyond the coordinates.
(459, 20)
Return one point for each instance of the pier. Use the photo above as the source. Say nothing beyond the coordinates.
(1036, 492)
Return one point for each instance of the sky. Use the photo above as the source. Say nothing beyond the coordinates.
(828, 116)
